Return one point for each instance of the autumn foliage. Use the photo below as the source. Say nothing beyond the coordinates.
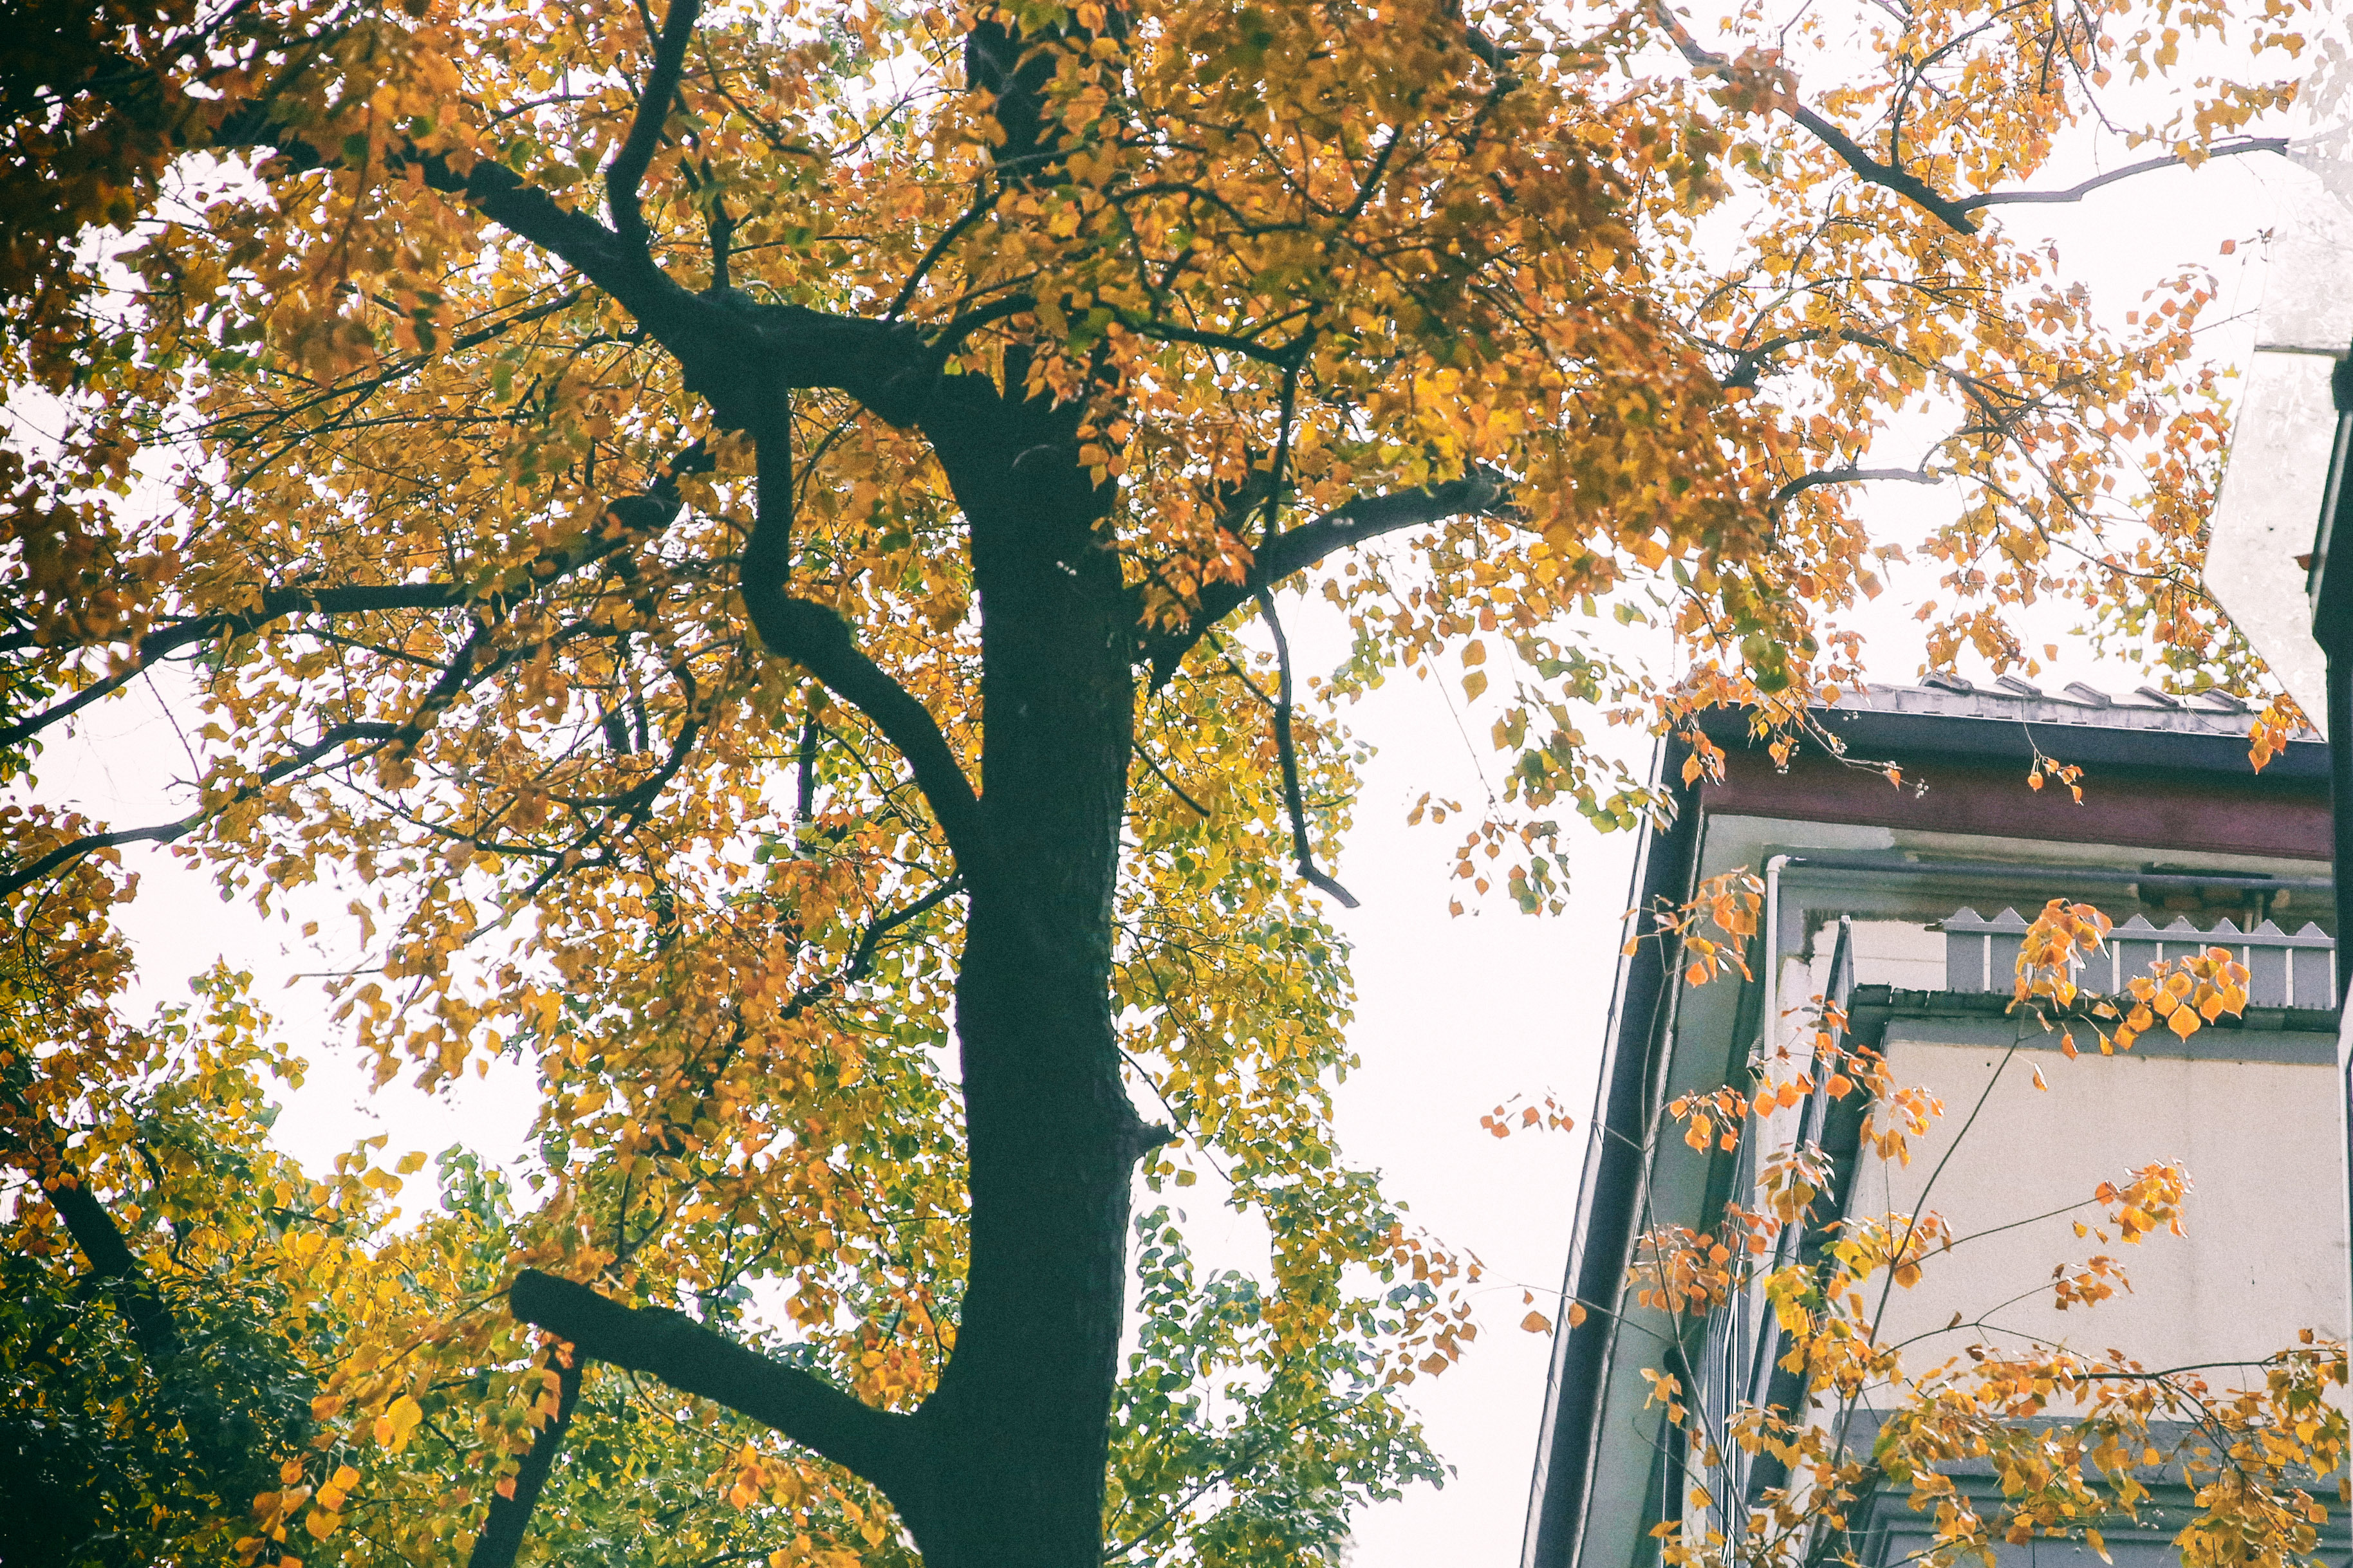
(748, 546)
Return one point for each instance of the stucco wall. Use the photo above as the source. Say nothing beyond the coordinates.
(2264, 1252)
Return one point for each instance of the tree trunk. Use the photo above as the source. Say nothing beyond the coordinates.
(1017, 1436)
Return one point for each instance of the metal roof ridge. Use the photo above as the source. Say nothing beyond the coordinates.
(2010, 699)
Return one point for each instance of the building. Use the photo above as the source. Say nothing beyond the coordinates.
(1904, 905)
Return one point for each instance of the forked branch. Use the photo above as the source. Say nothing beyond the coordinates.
(1955, 213)
(875, 1444)
(1891, 176)
(1479, 492)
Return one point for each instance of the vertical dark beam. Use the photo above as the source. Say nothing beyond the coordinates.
(2340, 724)
(2331, 595)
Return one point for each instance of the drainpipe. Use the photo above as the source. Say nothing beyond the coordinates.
(2329, 592)
(1766, 1037)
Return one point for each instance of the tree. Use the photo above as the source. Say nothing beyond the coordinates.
(575, 424)
(2066, 1444)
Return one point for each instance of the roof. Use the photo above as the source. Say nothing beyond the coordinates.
(2013, 719)
(2211, 713)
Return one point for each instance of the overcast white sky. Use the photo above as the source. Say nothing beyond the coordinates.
(1455, 1014)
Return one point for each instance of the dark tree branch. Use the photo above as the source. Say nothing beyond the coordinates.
(630, 520)
(112, 1261)
(805, 798)
(1920, 476)
(736, 351)
(882, 1447)
(869, 944)
(1174, 787)
(1888, 176)
(250, 432)
(1288, 752)
(818, 640)
(2146, 165)
(508, 1517)
(1363, 518)
(981, 203)
(57, 713)
(1892, 175)
(732, 349)
(767, 565)
(627, 171)
(19, 878)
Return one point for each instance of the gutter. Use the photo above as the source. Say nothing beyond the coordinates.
(2044, 871)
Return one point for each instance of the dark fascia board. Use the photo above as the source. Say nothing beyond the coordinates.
(1607, 1206)
(1872, 734)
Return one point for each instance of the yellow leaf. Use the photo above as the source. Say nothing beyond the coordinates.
(395, 1427)
(1536, 1323)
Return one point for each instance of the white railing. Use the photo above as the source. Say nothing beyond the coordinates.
(2284, 969)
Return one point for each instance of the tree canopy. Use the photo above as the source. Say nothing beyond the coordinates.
(730, 533)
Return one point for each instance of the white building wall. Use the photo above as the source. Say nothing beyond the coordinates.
(2264, 1254)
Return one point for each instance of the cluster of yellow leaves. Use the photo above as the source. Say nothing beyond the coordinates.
(1726, 905)
(2067, 773)
(2187, 992)
(2274, 724)
(2151, 1198)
